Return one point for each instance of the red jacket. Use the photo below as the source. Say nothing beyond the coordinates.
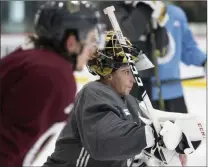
(35, 89)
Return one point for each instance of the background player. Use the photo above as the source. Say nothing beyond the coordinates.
(37, 82)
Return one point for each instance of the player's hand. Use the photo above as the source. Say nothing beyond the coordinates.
(171, 134)
(183, 159)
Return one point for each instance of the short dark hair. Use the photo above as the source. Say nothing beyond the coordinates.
(45, 43)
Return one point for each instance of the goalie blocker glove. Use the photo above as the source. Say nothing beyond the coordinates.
(171, 137)
(186, 146)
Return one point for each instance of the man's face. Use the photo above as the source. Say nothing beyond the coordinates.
(89, 48)
(122, 80)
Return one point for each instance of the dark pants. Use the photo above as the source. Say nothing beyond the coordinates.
(173, 105)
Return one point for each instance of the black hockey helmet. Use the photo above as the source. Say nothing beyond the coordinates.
(55, 19)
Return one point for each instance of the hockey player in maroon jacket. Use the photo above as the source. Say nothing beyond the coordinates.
(37, 82)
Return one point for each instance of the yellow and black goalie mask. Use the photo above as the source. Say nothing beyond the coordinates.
(112, 57)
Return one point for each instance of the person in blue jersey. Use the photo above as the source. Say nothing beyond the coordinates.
(162, 32)
(181, 47)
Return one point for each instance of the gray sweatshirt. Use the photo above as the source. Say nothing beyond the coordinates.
(104, 130)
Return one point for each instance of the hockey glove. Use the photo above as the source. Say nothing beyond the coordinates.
(175, 139)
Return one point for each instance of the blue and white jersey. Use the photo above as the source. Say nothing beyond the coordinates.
(182, 47)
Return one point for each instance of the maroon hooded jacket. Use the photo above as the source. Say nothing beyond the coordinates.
(36, 87)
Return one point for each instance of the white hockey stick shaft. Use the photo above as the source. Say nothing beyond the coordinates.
(110, 12)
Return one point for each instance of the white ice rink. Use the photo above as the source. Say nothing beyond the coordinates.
(196, 103)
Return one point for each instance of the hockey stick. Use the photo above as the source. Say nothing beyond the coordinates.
(156, 71)
(110, 12)
(169, 81)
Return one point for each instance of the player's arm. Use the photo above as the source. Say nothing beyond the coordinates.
(191, 53)
(107, 136)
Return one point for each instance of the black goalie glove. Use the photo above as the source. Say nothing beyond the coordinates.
(186, 146)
